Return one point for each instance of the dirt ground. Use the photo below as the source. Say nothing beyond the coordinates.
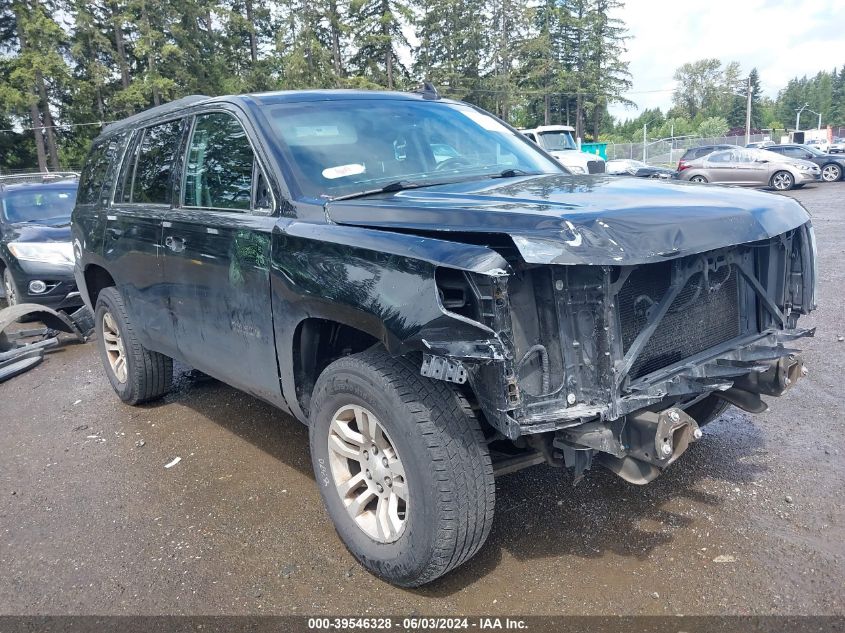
(749, 521)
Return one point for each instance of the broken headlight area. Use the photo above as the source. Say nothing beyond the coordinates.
(595, 359)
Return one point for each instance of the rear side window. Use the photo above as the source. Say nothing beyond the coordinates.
(159, 148)
(220, 164)
(147, 168)
(97, 169)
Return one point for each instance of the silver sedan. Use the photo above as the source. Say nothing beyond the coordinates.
(751, 168)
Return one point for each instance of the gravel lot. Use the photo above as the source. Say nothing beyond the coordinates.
(750, 521)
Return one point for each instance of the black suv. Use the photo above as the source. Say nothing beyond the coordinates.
(36, 258)
(832, 165)
(434, 297)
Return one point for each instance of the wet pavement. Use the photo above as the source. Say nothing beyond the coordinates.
(750, 521)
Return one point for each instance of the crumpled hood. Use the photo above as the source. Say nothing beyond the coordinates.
(600, 220)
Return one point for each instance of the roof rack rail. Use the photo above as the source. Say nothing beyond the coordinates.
(165, 108)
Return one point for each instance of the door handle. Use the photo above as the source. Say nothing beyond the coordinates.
(175, 244)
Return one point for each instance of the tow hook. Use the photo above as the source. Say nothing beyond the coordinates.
(652, 441)
(660, 438)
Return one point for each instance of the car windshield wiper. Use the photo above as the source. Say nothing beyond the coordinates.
(513, 172)
(396, 185)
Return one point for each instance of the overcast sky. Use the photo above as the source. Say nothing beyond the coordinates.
(782, 38)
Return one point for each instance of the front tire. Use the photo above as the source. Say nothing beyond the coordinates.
(831, 173)
(136, 373)
(782, 181)
(402, 467)
(10, 288)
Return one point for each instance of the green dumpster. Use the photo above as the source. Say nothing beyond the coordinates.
(599, 149)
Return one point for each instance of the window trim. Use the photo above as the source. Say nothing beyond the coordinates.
(256, 161)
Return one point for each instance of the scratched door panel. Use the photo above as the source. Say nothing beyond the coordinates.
(217, 259)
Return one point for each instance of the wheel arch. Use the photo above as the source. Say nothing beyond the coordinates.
(96, 278)
(317, 342)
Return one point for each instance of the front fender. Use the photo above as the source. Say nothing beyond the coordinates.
(378, 282)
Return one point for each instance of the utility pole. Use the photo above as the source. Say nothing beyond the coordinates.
(820, 118)
(645, 140)
(798, 116)
(748, 112)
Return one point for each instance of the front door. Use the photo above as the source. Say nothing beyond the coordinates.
(217, 259)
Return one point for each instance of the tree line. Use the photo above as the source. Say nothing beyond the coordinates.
(66, 65)
(709, 100)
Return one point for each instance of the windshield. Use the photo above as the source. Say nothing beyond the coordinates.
(556, 141)
(38, 205)
(339, 148)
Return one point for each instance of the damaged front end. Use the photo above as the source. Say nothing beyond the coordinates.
(586, 363)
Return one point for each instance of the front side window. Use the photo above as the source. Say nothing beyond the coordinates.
(220, 164)
(157, 151)
(725, 156)
(796, 152)
(346, 147)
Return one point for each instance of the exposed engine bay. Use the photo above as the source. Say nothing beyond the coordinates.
(601, 363)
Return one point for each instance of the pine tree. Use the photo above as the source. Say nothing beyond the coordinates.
(453, 39)
(38, 71)
(376, 27)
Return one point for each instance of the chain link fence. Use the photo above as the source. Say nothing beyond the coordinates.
(669, 151)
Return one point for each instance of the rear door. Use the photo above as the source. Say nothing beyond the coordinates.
(132, 241)
(750, 170)
(217, 257)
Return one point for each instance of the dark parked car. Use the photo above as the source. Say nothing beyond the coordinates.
(694, 153)
(832, 165)
(434, 321)
(36, 258)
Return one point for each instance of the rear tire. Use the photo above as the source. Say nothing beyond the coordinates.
(136, 374)
(698, 179)
(782, 181)
(432, 448)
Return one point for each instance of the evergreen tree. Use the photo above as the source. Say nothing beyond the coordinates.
(376, 27)
(453, 39)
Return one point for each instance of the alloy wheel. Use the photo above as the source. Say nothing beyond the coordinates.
(831, 173)
(113, 342)
(368, 473)
(782, 181)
